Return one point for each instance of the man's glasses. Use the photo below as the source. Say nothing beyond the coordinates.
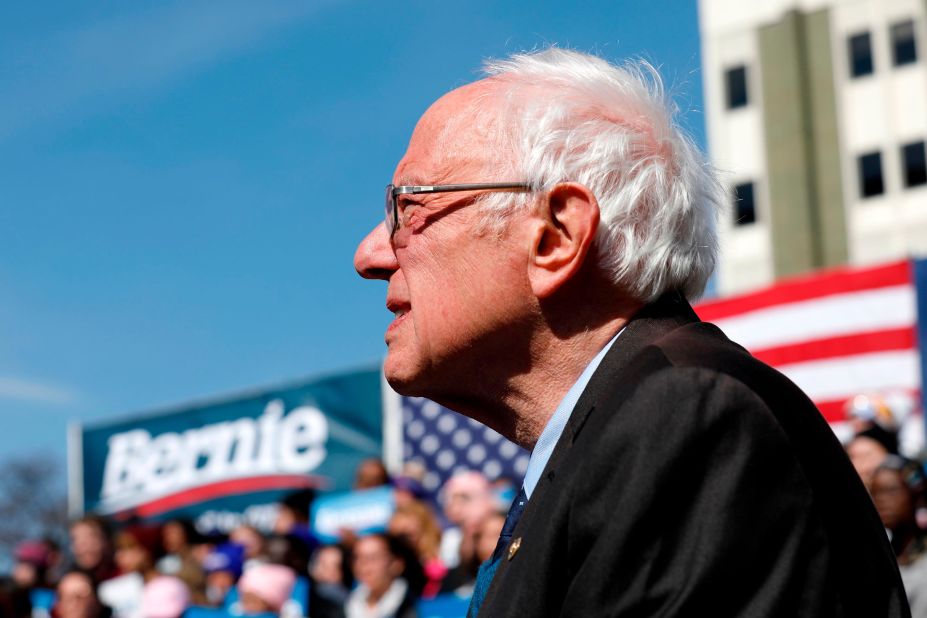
(394, 221)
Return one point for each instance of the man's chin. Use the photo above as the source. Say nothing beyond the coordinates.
(403, 387)
(401, 379)
(414, 383)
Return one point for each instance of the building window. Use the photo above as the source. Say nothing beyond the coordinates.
(736, 80)
(870, 175)
(904, 43)
(744, 206)
(860, 48)
(915, 164)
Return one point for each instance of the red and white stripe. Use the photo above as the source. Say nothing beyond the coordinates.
(835, 334)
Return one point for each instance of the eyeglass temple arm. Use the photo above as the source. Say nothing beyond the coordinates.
(459, 187)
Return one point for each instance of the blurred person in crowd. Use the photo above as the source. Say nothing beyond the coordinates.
(415, 470)
(467, 498)
(414, 522)
(330, 582)
(31, 561)
(385, 569)
(407, 489)
(408, 485)
(544, 233)
(223, 566)
(293, 516)
(293, 511)
(898, 490)
(371, 473)
(92, 547)
(868, 409)
(76, 597)
(138, 549)
(266, 588)
(205, 544)
(165, 596)
(253, 542)
(290, 550)
(178, 537)
(461, 579)
(488, 535)
(14, 601)
(56, 562)
(869, 448)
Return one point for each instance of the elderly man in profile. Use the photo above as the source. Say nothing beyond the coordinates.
(544, 232)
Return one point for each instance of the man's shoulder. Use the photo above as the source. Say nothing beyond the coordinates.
(667, 337)
(704, 345)
(698, 360)
(697, 354)
(691, 380)
(667, 405)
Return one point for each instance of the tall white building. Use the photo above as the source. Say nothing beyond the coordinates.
(817, 115)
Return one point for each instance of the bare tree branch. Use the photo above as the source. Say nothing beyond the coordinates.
(33, 503)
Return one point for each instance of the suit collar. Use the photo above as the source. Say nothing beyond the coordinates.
(650, 323)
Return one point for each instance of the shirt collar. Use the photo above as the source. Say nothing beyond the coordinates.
(558, 420)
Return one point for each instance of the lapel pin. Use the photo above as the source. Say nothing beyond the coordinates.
(513, 548)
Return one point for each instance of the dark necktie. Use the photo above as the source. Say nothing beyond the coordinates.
(488, 568)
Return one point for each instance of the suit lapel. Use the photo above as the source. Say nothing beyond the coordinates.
(653, 321)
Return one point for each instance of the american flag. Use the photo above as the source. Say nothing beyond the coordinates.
(445, 443)
(836, 333)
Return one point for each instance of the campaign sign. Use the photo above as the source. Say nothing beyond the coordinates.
(227, 462)
(361, 512)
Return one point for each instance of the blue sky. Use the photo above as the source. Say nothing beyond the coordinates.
(183, 184)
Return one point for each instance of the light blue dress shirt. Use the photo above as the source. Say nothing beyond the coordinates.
(554, 428)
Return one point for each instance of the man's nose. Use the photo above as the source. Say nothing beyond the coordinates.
(374, 258)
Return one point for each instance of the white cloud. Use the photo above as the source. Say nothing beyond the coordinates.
(101, 63)
(34, 391)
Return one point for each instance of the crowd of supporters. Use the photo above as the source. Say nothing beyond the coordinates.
(429, 549)
(898, 489)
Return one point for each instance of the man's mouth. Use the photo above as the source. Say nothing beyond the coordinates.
(400, 311)
(398, 316)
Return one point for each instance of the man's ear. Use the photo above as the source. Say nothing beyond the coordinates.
(567, 225)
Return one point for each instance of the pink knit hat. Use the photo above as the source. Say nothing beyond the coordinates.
(165, 597)
(33, 552)
(272, 583)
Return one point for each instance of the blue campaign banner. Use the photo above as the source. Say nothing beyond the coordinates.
(226, 462)
(361, 512)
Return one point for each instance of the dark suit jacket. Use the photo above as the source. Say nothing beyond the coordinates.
(693, 480)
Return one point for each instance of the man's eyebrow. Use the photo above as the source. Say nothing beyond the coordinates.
(408, 181)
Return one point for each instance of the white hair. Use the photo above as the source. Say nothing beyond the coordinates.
(572, 117)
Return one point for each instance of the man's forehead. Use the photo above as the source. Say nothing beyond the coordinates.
(447, 136)
(454, 103)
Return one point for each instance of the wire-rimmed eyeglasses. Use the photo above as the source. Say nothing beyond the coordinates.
(394, 221)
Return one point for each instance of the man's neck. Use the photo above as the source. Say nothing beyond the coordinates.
(558, 366)
(520, 406)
